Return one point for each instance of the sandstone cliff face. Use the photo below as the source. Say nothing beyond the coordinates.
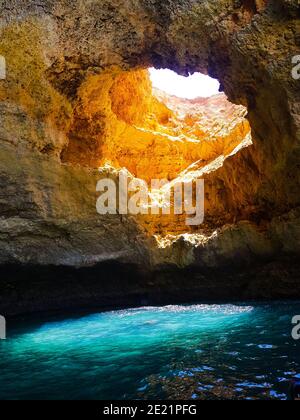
(65, 109)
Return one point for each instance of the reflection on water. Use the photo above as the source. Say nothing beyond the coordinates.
(174, 352)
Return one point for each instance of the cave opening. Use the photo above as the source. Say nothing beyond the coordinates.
(196, 85)
(159, 126)
(155, 123)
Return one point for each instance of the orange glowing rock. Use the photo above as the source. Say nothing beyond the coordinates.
(122, 122)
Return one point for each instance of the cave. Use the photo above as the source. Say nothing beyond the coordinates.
(123, 122)
(85, 101)
(148, 305)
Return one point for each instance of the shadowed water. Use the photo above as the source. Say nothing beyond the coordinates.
(174, 352)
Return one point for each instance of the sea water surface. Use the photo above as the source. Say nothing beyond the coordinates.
(230, 351)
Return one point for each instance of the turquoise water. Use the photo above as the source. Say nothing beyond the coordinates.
(188, 352)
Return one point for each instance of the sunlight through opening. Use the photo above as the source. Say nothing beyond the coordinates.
(192, 87)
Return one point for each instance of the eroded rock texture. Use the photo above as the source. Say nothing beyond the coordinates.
(75, 77)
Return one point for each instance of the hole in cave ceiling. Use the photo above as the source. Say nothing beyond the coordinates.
(130, 119)
(123, 119)
(194, 86)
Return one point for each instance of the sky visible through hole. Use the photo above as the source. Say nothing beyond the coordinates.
(194, 86)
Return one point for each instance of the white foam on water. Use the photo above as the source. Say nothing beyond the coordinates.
(201, 308)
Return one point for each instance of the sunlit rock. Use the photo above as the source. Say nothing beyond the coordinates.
(77, 97)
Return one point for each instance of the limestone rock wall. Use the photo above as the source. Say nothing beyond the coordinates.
(53, 48)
